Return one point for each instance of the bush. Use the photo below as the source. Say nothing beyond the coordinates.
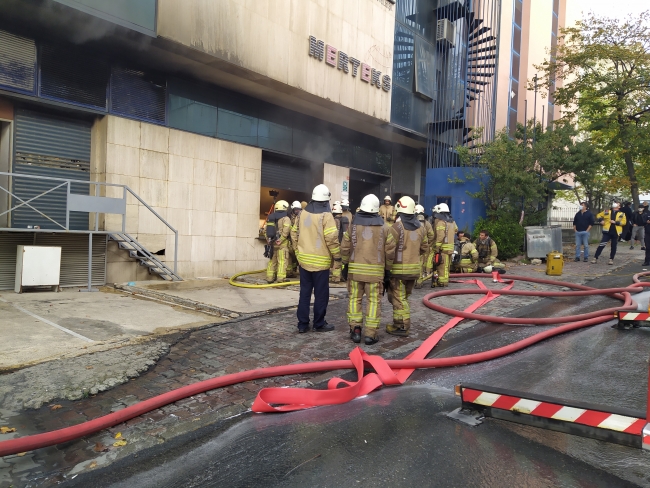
(506, 233)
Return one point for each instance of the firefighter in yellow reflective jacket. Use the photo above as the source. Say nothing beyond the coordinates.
(280, 240)
(487, 250)
(424, 260)
(445, 230)
(367, 255)
(292, 270)
(315, 239)
(468, 254)
(409, 237)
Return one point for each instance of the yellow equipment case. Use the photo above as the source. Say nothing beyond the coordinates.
(554, 263)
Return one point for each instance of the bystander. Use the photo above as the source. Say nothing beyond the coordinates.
(582, 223)
(638, 229)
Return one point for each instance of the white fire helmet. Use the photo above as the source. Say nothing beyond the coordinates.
(405, 205)
(370, 204)
(419, 209)
(321, 194)
(487, 269)
(296, 204)
(345, 202)
(387, 197)
(336, 208)
(442, 208)
(281, 205)
(435, 209)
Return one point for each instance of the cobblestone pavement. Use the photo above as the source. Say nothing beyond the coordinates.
(228, 347)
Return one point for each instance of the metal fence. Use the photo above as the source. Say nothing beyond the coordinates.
(562, 216)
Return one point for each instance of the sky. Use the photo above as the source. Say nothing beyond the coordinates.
(610, 8)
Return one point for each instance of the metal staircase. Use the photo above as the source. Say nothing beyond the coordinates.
(146, 258)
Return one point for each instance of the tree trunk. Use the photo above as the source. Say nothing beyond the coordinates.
(634, 184)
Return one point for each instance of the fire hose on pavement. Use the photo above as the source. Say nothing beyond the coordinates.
(386, 372)
(233, 281)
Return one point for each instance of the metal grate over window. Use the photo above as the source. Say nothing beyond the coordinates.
(138, 95)
(17, 62)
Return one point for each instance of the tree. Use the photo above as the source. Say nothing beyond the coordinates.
(519, 172)
(604, 65)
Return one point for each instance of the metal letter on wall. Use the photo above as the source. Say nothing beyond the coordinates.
(330, 57)
(316, 48)
(343, 62)
(365, 72)
(385, 83)
(375, 78)
(355, 66)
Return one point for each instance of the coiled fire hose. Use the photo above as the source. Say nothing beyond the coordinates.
(233, 281)
(386, 372)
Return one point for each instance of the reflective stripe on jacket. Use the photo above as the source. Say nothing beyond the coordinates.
(369, 250)
(315, 239)
(444, 235)
(606, 216)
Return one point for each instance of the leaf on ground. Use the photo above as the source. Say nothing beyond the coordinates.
(118, 435)
(92, 465)
(119, 443)
(21, 454)
(89, 367)
(55, 407)
(6, 430)
(99, 447)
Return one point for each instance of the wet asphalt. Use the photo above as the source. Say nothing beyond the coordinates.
(401, 436)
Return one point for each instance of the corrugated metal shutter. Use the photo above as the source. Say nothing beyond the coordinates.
(17, 62)
(286, 175)
(139, 95)
(51, 146)
(74, 257)
(74, 77)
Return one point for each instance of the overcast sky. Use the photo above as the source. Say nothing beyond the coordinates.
(611, 8)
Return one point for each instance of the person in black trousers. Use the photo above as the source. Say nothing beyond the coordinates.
(646, 219)
(627, 228)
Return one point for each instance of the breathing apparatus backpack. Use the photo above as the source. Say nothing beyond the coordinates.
(271, 233)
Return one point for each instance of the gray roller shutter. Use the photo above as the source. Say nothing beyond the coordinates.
(57, 147)
(74, 257)
(287, 175)
(17, 62)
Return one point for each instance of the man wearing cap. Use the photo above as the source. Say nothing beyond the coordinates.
(315, 239)
(387, 211)
(613, 222)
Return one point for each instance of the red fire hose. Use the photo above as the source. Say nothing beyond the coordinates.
(387, 372)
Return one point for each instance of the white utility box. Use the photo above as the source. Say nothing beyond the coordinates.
(37, 266)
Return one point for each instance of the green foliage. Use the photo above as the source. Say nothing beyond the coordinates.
(506, 233)
(605, 65)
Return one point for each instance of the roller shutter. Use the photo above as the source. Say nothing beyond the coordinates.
(138, 95)
(17, 62)
(287, 174)
(74, 257)
(51, 146)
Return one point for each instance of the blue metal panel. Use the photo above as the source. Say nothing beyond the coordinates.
(138, 95)
(465, 208)
(17, 62)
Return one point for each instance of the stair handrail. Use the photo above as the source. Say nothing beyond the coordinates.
(67, 182)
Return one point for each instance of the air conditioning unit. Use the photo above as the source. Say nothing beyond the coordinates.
(446, 32)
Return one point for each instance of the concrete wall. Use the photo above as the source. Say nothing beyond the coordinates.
(208, 189)
(271, 39)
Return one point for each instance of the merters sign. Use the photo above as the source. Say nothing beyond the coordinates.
(340, 60)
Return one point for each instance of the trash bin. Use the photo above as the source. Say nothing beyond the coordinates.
(542, 239)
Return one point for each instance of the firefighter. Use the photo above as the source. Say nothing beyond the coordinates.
(409, 237)
(468, 254)
(280, 240)
(367, 254)
(419, 213)
(345, 205)
(315, 240)
(342, 224)
(487, 251)
(445, 230)
(387, 211)
(296, 208)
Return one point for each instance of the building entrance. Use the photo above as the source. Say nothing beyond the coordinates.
(363, 183)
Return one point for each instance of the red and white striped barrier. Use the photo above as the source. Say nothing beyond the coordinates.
(633, 316)
(615, 425)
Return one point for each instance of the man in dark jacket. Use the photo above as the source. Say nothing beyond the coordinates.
(638, 229)
(629, 216)
(582, 223)
(646, 219)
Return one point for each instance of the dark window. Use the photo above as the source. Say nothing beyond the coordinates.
(512, 122)
(556, 7)
(192, 107)
(274, 136)
(418, 15)
(403, 58)
(516, 39)
(514, 94)
(139, 95)
(554, 27)
(424, 72)
(515, 66)
(73, 76)
(236, 127)
(553, 42)
(518, 12)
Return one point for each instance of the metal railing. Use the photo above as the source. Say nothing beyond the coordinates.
(76, 202)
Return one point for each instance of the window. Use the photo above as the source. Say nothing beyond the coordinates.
(192, 107)
(516, 39)
(514, 94)
(403, 59)
(518, 12)
(512, 122)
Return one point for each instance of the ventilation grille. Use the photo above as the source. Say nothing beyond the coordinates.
(138, 95)
(73, 77)
(17, 62)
